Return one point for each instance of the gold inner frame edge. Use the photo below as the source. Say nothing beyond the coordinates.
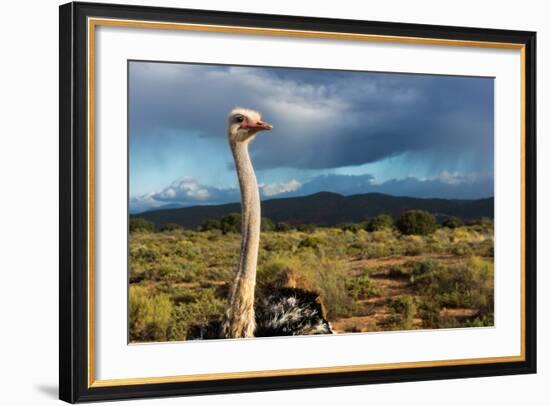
(93, 22)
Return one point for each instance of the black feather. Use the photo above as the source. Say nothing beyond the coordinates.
(284, 312)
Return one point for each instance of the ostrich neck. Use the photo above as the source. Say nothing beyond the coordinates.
(239, 317)
(251, 212)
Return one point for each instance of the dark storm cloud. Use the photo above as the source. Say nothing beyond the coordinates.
(322, 119)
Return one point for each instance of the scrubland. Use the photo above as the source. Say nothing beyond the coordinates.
(369, 278)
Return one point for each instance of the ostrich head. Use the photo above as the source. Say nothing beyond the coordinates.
(243, 124)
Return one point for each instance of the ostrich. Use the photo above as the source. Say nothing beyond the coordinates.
(286, 310)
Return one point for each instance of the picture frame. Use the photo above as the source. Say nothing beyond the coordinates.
(79, 22)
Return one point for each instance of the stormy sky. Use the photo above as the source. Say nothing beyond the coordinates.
(340, 131)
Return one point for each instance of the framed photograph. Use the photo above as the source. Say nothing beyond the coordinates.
(257, 202)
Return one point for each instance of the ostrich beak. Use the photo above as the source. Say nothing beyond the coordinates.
(258, 125)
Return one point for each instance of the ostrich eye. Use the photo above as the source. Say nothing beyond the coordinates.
(239, 119)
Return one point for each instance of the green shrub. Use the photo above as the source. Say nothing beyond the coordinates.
(485, 249)
(144, 253)
(403, 311)
(306, 228)
(417, 222)
(412, 245)
(173, 272)
(468, 285)
(452, 222)
(164, 271)
(380, 222)
(186, 249)
(398, 272)
(353, 227)
(170, 227)
(310, 242)
(139, 224)
(486, 320)
(428, 310)
(211, 224)
(362, 287)
(278, 244)
(231, 223)
(383, 235)
(267, 224)
(423, 273)
(310, 272)
(283, 227)
(196, 308)
(150, 316)
(461, 249)
(377, 250)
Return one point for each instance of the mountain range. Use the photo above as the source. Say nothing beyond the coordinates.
(327, 209)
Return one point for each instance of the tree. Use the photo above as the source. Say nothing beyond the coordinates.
(306, 228)
(267, 224)
(283, 227)
(139, 224)
(231, 223)
(169, 227)
(417, 222)
(211, 224)
(352, 227)
(380, 222)
(452, 222)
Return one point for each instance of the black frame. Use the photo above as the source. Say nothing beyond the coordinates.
(73, 289)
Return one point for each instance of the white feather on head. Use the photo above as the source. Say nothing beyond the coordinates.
(249, 113)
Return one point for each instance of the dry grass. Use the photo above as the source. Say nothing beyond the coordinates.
(379, 280)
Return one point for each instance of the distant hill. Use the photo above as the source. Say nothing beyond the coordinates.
(327, 209)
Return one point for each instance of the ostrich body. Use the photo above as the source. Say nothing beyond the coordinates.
(285, 311)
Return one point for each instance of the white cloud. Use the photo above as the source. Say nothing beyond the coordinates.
(451, 185)
(455, 178)
(181, 190)
(188, 191)
(272, 189)
(185, 191)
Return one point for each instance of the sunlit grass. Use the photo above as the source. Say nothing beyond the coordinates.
(368, 280)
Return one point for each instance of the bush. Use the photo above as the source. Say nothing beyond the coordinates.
(310, 242)
(140, 253)
(403, 311)
(283, 227)
(362, 287)
(278, 244)
(423, 272)
(418, 222)
(398, 272)
(195, 308)
(210, 225)
(461, 249)
(227, 224)
(231, 223)
(267, 224)
(380, 222)
(306, 228)
(186, 249)
(353, 227)
(139, 224)
(412, 245)
(150, 316)
(429, 312)
(377, 250)
(452, 222)
(468, 285)
(170, 227)
(309, 272)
